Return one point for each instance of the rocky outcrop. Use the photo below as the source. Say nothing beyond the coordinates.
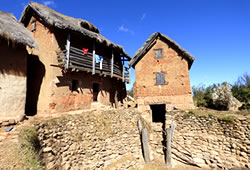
(223, 98)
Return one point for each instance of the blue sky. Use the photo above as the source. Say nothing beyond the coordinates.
(215, 32)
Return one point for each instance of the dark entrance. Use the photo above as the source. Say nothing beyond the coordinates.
(35, 74)
(96, 90)
(158, 115)
(158, 112)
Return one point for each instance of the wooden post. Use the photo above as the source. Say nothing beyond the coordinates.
(129, 71)
(112, 63)
(68, 51)
(169, 153)
(139, 123)
(172, 130)
(123, 70)
(93, 60)
(116, 99)
(145, 146)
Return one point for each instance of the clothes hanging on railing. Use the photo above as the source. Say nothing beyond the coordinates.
(99, 59)
(85, 51)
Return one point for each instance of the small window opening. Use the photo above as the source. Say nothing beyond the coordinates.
(158, 53)
(33, 27)
(160, 78)
(158, 113)
(75, 85)
(96, 90)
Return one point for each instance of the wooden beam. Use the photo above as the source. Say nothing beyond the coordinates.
(145, 146)
(129, 71)
(123, 70)
(68, 51)
(93, 60)
(169, 152)
(112, 63)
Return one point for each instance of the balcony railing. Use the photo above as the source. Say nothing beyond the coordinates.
(75, 59)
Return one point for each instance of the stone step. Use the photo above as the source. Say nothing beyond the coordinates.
(98, 105)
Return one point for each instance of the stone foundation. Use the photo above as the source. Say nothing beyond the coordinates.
(210, 142)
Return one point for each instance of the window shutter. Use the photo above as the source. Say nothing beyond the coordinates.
(160, 78)
(158, 53)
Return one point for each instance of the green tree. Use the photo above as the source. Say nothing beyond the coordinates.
(241, 88)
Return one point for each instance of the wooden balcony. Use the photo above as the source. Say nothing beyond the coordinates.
(75, 60)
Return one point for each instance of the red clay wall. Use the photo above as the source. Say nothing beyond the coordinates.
(177, 89)
(56, 88)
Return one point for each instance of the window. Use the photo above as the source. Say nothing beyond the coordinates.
(33, 27)
(160, 78)
(75, 85)
(158, 53)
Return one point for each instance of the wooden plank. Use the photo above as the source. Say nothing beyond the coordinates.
(145, 147)
(112, 63)
(68, 51)
(116, 99)
(129, 73)
(168, 151)
(123, 73)
(93, 59)
(81, 64)
(139, 123)
(81, 59)
(172, 129)
(89, 55)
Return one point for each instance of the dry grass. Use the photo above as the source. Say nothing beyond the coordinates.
(16, 151)
(221, 115)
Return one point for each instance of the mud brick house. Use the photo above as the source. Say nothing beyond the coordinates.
(162, 75)
(14, 38)
(77, 66)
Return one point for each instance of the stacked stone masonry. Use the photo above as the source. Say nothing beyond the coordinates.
(92, 141)
(212, 143)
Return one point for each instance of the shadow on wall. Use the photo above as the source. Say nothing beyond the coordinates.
(35, 74)
(13, 59)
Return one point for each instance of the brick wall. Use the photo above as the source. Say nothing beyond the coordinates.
(56, 89)
(177, 88)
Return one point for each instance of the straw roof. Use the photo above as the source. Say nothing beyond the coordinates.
(141, 52)
(12, 30)
(63, 22)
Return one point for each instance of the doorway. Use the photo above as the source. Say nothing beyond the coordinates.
(158, 113)
(35, 74)
(96, 89)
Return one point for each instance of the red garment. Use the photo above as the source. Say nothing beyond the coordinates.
(85, 51)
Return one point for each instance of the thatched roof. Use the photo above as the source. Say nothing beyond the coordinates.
(12, 30)
(141, 52)
(63, 22)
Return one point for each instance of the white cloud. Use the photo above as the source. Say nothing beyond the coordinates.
(122, 28)
(49, 3)
(143, 16)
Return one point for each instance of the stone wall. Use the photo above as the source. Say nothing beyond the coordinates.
(12, 80)
(93, 140)
(110, 140)
(209, 141)
(177, 88)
